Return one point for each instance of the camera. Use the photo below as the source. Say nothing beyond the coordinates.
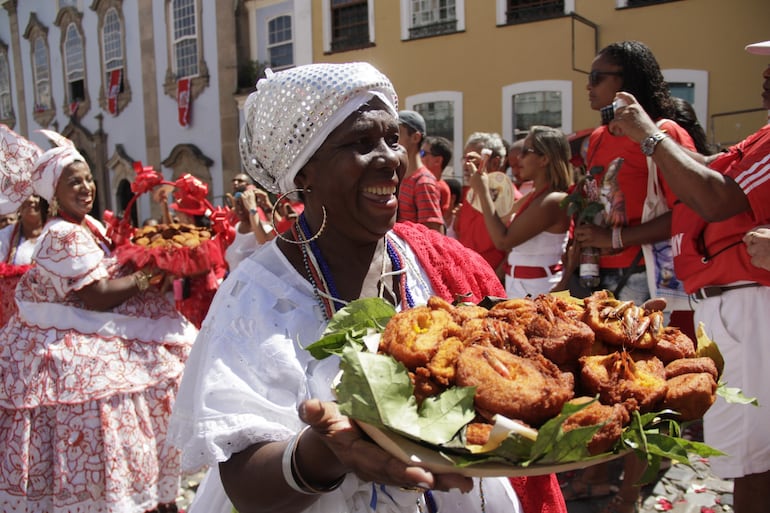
(608, 112)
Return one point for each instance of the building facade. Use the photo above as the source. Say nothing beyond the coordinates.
(163, 81)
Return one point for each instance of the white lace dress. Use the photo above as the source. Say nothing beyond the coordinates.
(85, 396)
(248, 372)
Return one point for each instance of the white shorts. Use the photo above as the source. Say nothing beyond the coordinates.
(739, 322)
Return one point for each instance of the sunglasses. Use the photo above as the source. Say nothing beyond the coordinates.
(595, 77)
(526, 149)
(423, 153)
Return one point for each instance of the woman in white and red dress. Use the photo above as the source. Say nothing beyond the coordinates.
(17, 243)
(89, 367)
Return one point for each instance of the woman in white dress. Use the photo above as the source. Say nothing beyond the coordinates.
(537, 236)
(254, 404)
(17, 243)
(89, 367)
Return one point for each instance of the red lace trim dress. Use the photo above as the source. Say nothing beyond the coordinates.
(84, 395)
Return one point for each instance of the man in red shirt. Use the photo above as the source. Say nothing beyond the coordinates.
(436, 154)
(718, 205)
(419, 200)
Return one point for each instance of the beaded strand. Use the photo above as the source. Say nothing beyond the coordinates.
(318, 271)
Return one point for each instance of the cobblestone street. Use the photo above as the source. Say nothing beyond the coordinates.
(680, 489)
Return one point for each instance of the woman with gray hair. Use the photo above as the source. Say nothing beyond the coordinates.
(254, 404)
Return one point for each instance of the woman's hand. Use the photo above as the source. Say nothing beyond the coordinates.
(368, 461)
(758, 246)
(590, 235)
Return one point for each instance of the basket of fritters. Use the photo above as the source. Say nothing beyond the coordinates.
(177, 248)
(528, 386)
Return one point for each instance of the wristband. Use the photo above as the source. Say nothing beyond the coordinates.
(617, 238)
(253, 211)
(292, 475)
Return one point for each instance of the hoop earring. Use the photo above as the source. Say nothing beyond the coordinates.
(299, 228)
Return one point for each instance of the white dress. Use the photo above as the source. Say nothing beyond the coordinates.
(248, 372)
(85, 395)
(543, 250)
(24, 250)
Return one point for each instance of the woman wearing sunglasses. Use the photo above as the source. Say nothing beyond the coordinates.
(625, 66)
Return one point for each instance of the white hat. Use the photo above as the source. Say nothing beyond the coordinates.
(292, 113)
(761, 48)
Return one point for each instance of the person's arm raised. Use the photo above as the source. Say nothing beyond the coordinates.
(713, 196)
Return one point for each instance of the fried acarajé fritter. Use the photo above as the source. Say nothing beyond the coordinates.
(413, 336)
(613, 417)
(497, 333)
(550, 324)
(618, 378)
(692, 366)
(673, 345)
(691, 394)
(621, 323)
(531, 389)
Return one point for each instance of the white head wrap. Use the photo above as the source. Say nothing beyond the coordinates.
(292, 112)
(49, 167)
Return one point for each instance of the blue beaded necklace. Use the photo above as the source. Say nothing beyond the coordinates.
(320, 275)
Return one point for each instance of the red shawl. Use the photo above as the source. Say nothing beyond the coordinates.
(455, 270)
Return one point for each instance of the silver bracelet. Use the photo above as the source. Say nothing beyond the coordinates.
(291, 473)
(287, 464)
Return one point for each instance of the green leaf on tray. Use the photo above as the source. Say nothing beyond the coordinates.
(376, 389)
(351, 324)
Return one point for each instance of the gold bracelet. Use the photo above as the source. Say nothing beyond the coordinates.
(142, 281)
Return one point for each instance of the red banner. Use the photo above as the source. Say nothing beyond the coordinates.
(113, 91)
(183, 101)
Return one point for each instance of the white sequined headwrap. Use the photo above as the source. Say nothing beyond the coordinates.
(292, 112)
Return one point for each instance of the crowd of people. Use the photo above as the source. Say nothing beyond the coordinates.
(118, 376)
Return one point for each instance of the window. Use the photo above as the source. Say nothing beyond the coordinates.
(74, 64)
(349, 24)
(185, 38)
(690, 85)
(76, 98)
(523, 11)
(37, 35)
(185, 47)
(536, 108)
(442, 111)
(280, 46)
(433, 17)
(6, 106)
(41, 74)
(114, 90)
(545, 102)
(112, 43)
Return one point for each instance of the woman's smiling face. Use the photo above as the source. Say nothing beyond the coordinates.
(355, 174)
(75, 190)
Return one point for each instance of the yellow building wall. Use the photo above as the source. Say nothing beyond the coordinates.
(687, 34)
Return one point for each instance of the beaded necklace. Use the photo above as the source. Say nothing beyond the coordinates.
(318, 271)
